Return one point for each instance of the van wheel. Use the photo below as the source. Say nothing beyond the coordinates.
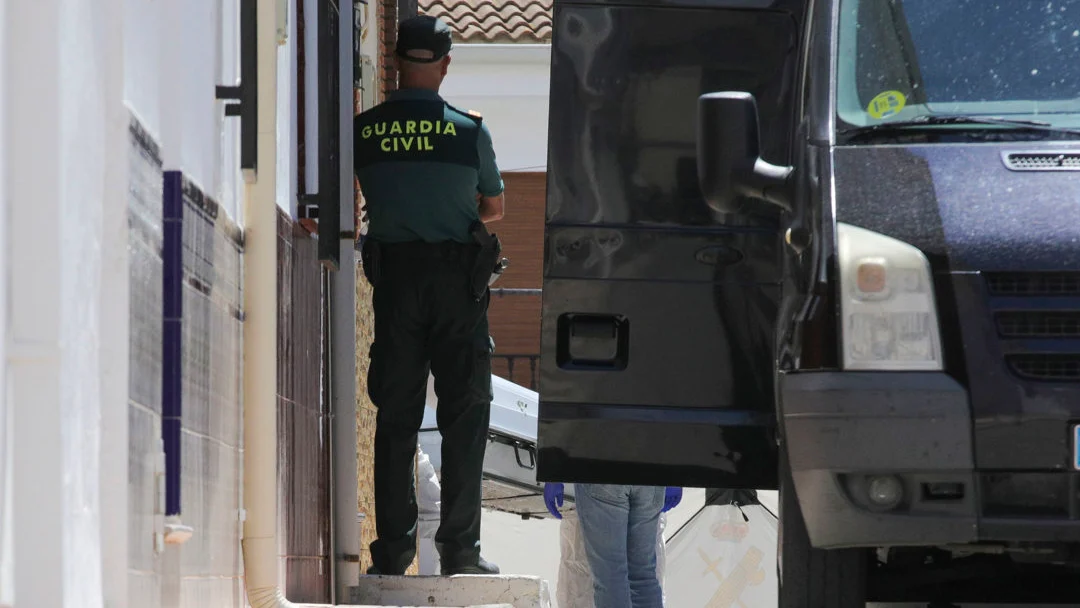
(809, 577)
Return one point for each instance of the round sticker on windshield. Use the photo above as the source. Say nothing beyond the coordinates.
(886, 104)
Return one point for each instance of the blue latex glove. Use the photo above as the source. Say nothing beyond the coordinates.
(553, 498)
(672, 497)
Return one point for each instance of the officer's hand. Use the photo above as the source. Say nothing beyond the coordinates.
(553, 498)
(672, 497)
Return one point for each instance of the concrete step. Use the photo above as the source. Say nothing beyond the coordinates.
(352, 606)
(453, 591)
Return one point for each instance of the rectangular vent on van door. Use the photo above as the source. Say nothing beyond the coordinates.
(1038, 324)
(1033, 283)
(1042, 161)
(590, 341)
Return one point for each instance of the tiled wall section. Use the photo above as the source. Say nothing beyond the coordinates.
(144, 385)
(211, 567)
(212, 433)
(303, 418)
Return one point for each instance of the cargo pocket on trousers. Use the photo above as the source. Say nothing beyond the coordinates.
(374, 375)
(481, 376)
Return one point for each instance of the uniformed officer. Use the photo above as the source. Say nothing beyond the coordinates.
(429, 178)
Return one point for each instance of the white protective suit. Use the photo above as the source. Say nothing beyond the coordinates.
(428, 500)
(574, 587)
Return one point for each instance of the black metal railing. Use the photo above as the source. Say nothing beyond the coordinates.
(515, 361)
(500, 292)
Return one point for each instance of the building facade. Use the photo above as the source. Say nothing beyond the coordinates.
(125, 459)
(178, 341)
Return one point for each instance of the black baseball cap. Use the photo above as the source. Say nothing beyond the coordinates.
(423, 39)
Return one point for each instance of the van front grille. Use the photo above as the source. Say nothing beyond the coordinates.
(1033, 283)
(1039, 324)
(1046, 368)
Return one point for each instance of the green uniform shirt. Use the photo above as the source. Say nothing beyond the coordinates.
(421, 163)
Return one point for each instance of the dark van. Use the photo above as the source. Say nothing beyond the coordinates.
(830, 247)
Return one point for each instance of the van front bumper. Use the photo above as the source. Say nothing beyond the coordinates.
(842, 429)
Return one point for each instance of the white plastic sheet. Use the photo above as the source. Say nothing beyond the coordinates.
(720, 560)
(574, 587)
(428, 502)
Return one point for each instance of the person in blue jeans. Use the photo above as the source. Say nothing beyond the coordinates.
(619, 524)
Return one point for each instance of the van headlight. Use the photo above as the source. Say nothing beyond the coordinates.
(890, 320)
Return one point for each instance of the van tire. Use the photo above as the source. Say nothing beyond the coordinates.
(809, 577)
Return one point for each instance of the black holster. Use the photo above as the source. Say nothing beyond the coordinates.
(371, 260)
(487, 258)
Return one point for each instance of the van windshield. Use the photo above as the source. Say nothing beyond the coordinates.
(907, 59)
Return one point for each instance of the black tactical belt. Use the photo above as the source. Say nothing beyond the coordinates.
(419, 249)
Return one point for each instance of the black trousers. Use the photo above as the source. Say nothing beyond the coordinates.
(426, 319)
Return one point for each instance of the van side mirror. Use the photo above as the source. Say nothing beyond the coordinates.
(729, 160)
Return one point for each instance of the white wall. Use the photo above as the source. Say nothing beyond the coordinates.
(286, 118)
(7, 544)
(141, 33)
(231, 184)
(115, 319)
(84, 158)
(63, 144)
(508, 85)
(31, 327)
(311, 96)
(175, 53)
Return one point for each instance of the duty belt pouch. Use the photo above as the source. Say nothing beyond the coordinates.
(486, 260)
(370, 258)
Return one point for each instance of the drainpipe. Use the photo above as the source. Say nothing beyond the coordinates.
(262, 560)
(346, 526)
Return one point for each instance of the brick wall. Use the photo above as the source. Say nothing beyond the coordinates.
(515, 320)
(387, 15)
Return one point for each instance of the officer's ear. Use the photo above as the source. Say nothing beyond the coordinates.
(445, 64)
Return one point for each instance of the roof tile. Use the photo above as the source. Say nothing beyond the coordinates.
(494, 21)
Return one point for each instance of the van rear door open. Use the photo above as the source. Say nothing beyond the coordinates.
(658, 313)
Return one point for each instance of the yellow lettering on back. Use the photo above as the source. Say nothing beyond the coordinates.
(385, 144)
(366, 132)
(426, 126)
(380, 128)
(407, 142)
(410, 126)
(450, 129)
(395, 128)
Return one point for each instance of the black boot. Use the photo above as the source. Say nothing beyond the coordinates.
(482, 566)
